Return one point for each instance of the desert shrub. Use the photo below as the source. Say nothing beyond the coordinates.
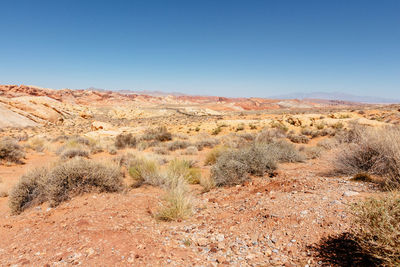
(178, 144)
(74, 152)
(279, 125)
(112, 150)
(207, 183)
(306, 131)
(338, 125)
(206, 142)
(258, 159)
(161, 150)
(229, 170)
(191, 150)
(66, 179)
(184, 169)
(177, 202)
(29, 191)
(372, 150)
(78, 176)
(270, 135)
(252, 126)
(377, 229)
(247, 136)
(82, 140)
(284, 151)
(216, 131)
(233, 166)
(145, 171)
(124, 159)
(312, 152)
(10, 150)
(36, 143)
(320, 126)
(160, 134)
(125, 140)
(327, 143)
(298, 138)
(240, 127)
(213, 155)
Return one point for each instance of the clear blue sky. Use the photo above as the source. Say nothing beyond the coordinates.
(229, 48)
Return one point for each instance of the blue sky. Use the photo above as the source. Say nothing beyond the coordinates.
(227, 48)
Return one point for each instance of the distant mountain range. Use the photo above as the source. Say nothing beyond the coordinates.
(315, 95)
(338, 96)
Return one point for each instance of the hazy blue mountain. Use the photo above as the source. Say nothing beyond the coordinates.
(338, 96)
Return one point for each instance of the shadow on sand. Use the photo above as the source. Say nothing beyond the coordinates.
(342, 250)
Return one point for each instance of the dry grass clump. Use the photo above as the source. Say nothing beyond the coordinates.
(177, 203)
(372, 150)
(161, 150)
(11, 151)
(184, 168)
(160, 134)
(298, 138)
(377, 229)
(216, 131)
(124, 159)
(207, 183)
(125, 140)
(63, 180)
(312, 152)
(328, 143)
(270, 135)
(279, 125)
(37, 143)
(191, 150)
(213, 155)
(206, 142)
(145, 171)
(178, 144)
(74, 152)
(79, 146)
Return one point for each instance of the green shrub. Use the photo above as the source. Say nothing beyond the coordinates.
(11, 151)
(377, 229)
